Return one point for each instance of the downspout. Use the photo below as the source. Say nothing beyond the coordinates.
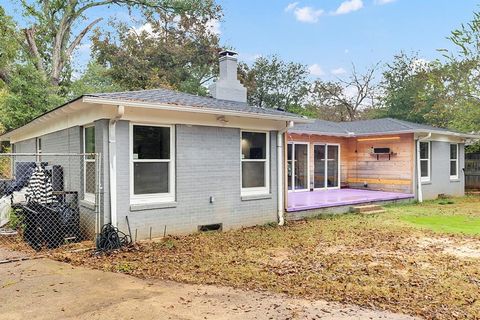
(112, 156)
(280, 167)
(419, 170)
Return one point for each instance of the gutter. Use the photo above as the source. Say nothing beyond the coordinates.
(280, 173)
(112, 159)
(419, 171)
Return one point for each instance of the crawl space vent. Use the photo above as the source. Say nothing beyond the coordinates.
(210, 227)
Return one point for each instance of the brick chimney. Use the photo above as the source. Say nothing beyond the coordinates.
(227, 86)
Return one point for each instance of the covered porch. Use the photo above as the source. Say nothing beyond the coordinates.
(337, 172)
(319, 199)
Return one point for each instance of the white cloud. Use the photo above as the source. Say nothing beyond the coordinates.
(308, 14)
(420, 64)
(348, 6)
(291, 6)
(84, 48)
(147, 27)
(213, 26)
(382, 2)
(338, 71)
(316, 70)
(304, 14)
(346, 51)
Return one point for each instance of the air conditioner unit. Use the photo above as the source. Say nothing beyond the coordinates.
(381, 151)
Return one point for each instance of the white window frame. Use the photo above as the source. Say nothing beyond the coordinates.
(429, 160)
(90, 197)
(454, 177)
(153, 197)
(256, 190)
(325, 187)
(292, 178)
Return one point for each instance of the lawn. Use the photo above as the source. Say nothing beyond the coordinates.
(446, 224)
(418, 259)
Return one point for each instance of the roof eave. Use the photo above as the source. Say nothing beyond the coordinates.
(346, 135)
(7, 135)
(186, 108)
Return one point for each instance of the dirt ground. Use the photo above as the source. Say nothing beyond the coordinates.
(47, 289)
(377, 261)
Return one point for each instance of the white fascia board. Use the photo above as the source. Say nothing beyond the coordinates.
(139, 104)
(416, 132)
(70, 115)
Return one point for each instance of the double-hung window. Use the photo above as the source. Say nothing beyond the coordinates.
(425, 155)
(89, 163)
(255, 162)
(454, 161)
(153, 166)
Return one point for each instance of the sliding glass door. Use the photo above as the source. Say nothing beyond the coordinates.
(326, 159)
(297, 158)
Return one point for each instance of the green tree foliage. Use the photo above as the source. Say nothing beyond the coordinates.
(405, 85)
(274, 83)
(50, 40)
(29, 95)
(463, 71)
(35, 62)
(9, 46)
(95, 79)
(173, 50)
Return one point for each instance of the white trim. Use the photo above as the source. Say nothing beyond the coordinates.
(325, 187)
(293, 143)
(256, 190)
(438, 134)
(154, 197)
(187, 108)
(90, 197)
(454, 177)
(79, 113)
(429, 161)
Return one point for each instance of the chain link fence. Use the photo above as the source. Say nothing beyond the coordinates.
(49, 201)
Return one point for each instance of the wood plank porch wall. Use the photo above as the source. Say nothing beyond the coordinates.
(359, 167)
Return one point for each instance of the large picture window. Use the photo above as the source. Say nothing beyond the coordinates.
(152, 168)
(254, 159)
(89, 163)
(453, 161)
(425, 155)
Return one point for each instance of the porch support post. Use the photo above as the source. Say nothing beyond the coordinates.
(419, 169)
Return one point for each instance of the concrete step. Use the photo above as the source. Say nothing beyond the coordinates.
(366, 208)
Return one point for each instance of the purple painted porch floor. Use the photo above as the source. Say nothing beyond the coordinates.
(298, 201)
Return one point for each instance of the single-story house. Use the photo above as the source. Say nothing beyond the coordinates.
(173, 162)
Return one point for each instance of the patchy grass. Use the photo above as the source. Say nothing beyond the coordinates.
(380, 261)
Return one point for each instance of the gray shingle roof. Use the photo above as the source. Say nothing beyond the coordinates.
(363, 127)
(171, 97)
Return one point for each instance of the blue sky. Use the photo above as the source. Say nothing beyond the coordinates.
(327, 35)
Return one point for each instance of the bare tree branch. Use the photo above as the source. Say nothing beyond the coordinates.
(32, 46)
